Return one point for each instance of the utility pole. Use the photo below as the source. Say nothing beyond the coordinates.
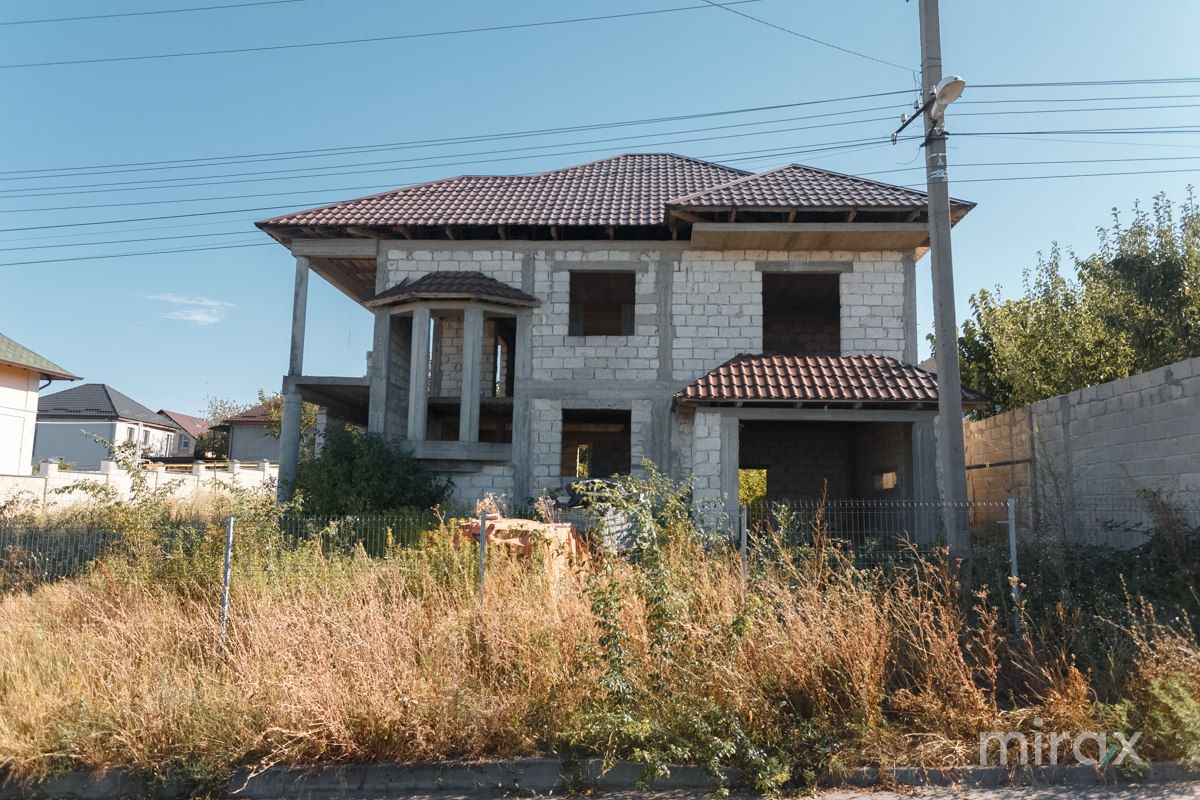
(951, 462)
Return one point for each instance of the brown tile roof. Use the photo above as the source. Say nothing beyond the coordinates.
(624, 190)
(454, 285)
(193, 426)
(865, 378)
(798, 186)
(256, 415)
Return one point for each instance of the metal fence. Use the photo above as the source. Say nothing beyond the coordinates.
(1121, 533)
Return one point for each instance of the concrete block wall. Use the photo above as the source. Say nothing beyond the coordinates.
(694, 310)
(799, 458)
(883, 447)
(873, 305)
(494, 478)
(1100, 443)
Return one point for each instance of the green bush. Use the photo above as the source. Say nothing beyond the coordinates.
(358, 473)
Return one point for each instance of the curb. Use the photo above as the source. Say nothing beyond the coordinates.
(525, 776)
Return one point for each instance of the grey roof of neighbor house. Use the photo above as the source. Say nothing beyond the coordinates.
(637, 189)
(455, 285)
(98, 401)
(819, 379)
(18, 355)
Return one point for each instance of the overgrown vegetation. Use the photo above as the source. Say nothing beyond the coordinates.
(1131, 306)
(656, 652)
(358, 472)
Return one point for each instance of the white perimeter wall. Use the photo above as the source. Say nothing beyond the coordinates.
(18, 418)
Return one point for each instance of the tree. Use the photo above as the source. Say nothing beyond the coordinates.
(358, 472)
(215, 443)
(1133, 305)
(274, 406)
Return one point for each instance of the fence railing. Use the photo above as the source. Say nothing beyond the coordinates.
(876, 531)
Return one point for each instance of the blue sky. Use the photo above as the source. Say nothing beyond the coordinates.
(171, 328)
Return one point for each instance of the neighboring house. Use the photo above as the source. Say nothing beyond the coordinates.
(190, 429)
(68, 421)
(250, 436)
(529, 329)
(21, 370)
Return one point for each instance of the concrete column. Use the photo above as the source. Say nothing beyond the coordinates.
(378, 373)
(730, 456)
(289, 434)
(418, 377)
(522, 408)
(469, 391)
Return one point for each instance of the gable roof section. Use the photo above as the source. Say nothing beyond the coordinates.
(798, 186)
(623, 190)
(18, 355)
(256, 415)
(98, 401)
(454, 286)
(192, 426)
(637, 189)
(818, 379)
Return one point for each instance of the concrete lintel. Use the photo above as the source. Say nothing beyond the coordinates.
(591, 391)
(325, 380)
(814, 267)
(494, 309)
(462, 451)
(823, 414)
(811, 227)
(336, 248)
(600, 266)
(538, 246)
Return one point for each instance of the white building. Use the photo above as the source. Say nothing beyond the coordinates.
(21, 370)
(70, 422)
(530, 329)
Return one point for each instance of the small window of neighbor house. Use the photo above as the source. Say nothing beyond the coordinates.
(882, 481)
(602, 304)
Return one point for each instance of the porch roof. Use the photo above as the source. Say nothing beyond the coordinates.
(454, 286)
(816, 379)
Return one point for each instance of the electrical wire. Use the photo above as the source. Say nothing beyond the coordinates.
(363, 40)
(149, 13)
(417, 143)
(815, 40)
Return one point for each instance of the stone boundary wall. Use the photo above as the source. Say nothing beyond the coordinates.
(1096, 445)
(57, 488)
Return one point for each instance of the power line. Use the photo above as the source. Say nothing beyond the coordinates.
(149, 13)
(1070, 175)
(418, 143)
(171, 183)
(364, 40)
(130, 255)
(823, 147)
(541, 153)
(815, 40)
(1121, 82)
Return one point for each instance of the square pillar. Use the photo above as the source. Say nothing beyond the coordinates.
(289, 433)
(522, 408)
(378, 374)
(472, 356)
(418, 375)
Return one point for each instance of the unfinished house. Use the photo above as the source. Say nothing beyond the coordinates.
(533, 329)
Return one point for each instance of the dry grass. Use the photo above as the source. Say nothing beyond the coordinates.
(347, 659)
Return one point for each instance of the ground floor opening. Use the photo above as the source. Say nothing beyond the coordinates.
(807, 459)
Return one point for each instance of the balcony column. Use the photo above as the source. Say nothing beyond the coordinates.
(418, 376)
(289, 429)
(472, 355)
